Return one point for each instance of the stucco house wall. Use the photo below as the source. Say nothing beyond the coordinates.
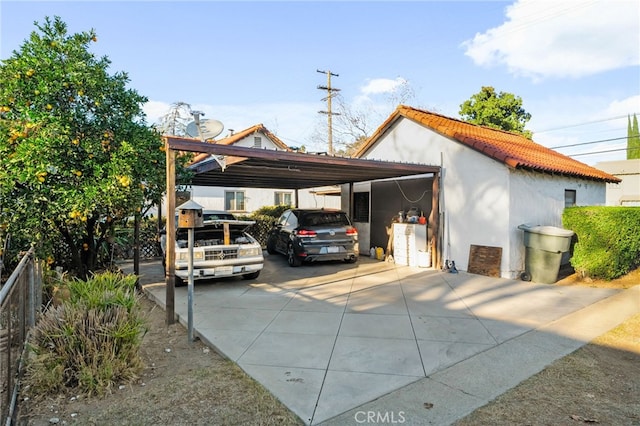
(627, 192)
(538, 199)
(249, 141)
(483, 201)
(212, 198)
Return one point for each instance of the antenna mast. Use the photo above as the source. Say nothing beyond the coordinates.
(330, 94)
(196, 118)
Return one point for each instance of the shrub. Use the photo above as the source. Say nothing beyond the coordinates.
(264, 217)
(608, 242)
(90, 341)
(260, 229)
(273, 211)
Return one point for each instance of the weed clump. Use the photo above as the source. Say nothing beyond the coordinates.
(89, 341)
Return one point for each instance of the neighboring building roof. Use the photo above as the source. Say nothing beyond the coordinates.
(235, 137)
(231, 139)
(508, 148)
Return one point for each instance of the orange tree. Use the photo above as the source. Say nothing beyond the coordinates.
(76, 155)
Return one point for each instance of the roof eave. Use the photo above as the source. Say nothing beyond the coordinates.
(517, 165)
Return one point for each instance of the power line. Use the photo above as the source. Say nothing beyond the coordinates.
(547, 14)
(592, 142)
(537, 17)
(601, 152)
(584, 123)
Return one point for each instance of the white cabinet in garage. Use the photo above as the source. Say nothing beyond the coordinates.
(408, 240)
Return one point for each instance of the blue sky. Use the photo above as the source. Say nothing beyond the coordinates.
(575, 64)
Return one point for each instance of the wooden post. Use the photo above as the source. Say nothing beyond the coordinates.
(136, 248)
(159, 223)
(434, 222)
(226, 234)
(170, 249)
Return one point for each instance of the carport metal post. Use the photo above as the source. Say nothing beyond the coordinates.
(190, 288)
(351, 196)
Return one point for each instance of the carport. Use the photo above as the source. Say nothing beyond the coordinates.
(232, 166)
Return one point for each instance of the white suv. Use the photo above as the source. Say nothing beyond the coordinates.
(213, 256)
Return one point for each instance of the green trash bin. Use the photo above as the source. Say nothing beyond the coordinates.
(544, 246)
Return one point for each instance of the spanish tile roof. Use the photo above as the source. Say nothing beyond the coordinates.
(512, 149)
(231, 139)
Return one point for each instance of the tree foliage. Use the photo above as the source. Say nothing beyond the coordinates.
(498, 110)
(76, 155)
(633, 138)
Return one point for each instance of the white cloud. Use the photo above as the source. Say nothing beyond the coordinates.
(377, 86)
(566, 38)
(628, 106)
(154, 110)
(377, 108)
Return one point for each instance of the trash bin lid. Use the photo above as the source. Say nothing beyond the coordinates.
(546, 230)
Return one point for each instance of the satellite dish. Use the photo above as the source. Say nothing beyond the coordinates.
(209, 129)
(192, 130)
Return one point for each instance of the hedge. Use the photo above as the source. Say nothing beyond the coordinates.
(608, 240)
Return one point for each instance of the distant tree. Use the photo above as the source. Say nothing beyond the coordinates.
(175, 121)
(76, 155)
(633, 138)
(498, 110)
(350, 148)
(353, 124)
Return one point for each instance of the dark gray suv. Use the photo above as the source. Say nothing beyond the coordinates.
(310, 235)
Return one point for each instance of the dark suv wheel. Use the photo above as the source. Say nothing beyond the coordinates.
(292, 259)
(271, 245)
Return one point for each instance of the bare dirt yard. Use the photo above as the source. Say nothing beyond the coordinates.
(190, 384)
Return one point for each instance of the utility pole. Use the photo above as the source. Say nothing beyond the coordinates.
(330, 93)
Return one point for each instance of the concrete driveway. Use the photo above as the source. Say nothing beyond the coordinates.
(373, 342)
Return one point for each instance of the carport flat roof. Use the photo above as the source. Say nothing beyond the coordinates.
(263, 168)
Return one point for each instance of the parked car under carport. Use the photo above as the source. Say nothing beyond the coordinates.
(314, 235)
